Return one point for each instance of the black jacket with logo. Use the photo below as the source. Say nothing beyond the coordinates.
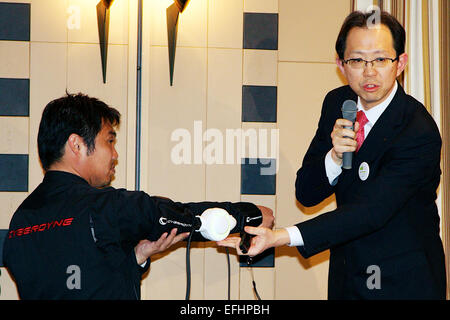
(69, 240)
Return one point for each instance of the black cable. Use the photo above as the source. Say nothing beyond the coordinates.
(188, 269)
(229, 272)
(256, 291)
(249, 261)
(188, 266)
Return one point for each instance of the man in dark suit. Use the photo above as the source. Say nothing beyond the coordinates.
(384, 235)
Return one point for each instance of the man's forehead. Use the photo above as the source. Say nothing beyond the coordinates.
(374, 51)
(379, 31)
(370, 40)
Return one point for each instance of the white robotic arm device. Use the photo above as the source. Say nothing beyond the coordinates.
(216, 224)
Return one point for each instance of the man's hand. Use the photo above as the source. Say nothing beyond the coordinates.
(343, 139)
(268, 218)
(264, 239)
(146, 248)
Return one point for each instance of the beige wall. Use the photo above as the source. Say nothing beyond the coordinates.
(210, 69)
(306, 72)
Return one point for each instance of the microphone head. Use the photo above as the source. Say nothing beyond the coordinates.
(349, 110)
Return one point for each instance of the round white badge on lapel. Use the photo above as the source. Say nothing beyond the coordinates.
(363, 171)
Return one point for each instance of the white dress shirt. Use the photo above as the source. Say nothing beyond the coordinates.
(332, 169)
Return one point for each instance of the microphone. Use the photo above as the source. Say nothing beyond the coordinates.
(349, 110)
(216, 224)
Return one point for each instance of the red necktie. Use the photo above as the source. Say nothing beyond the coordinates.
(362, 120)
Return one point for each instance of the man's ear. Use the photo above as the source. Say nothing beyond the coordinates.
(340, 65)
(402, 61)
(75, 144)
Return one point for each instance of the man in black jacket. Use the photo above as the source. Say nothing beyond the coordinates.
(384, 235)
(76, 238)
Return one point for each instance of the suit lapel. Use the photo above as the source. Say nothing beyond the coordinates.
(385, 129)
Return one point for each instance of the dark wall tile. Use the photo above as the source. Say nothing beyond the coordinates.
(265, 259)
(14, 172)
(258, 176)
(3, 234)
(261, 31)
(14, 97)
(259, 104)
(15, 21)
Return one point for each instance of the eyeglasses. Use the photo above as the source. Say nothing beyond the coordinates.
(359, 63)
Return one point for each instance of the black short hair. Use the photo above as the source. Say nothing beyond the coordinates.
(361, 20)
(73, 113)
